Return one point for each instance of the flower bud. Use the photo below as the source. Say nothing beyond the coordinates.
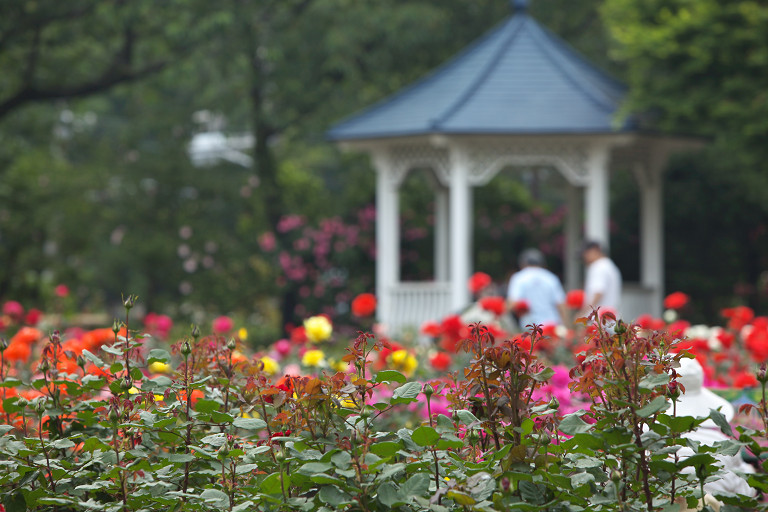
(116, 325)
(546, 438)
(56, 337)
(44, 366)
(195, 331)
(22, 402)
(129, 301)
(3, 344)
(761, 374)
(616, 476)
(114, 415)
(673, 390)
(81, 361)
(428, 390)
(231, 344)
(40, 407)
(554, 403)
(126, 383)
(505, 484)
(185, 348)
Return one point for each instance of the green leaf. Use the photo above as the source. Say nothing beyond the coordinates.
(408, 390)
(215, 497)
(417, 485)
(460, 498)
(221, 417)
(93, 358)
(573, 424)
(425, 436)
(333, 496)
(388, 495)
(721, 422)
(250, 423)
(158, 355)
(657, 404)
(312, 468)
(390, 376)
(181, 457)
(207, 405)
(531, 492)
(385, 449)
(466, 417)
(272, 485)
(543, 375)
(653, 380)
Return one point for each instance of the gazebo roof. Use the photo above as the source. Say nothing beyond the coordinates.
(519, 78)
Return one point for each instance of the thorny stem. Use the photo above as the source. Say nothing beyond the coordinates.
(188, 440)
(45, 452)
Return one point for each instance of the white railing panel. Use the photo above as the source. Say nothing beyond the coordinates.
(414, 303)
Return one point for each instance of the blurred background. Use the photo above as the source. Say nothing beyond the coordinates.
(176, 150)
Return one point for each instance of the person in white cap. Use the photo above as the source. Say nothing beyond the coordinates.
(697, 401)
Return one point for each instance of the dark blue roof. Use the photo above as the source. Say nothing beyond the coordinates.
(519, 78)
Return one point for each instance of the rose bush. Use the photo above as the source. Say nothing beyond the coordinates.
(118, 419)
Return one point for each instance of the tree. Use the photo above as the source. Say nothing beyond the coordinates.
(699, 67)
(52, 50)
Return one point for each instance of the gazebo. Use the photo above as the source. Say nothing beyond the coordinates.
(519, 96)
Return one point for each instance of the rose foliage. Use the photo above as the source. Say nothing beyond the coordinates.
(126, 423)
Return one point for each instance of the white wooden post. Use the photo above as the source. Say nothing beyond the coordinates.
(387, 236)
(442, 232)
(461, 233)
(596, 196)
(652, 235)
(572, 258)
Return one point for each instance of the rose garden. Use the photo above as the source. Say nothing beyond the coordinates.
(130, 417)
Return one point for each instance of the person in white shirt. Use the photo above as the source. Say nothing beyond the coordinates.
(539, 288)
(602, 285)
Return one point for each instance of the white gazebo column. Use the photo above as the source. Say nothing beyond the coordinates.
(652, 236)
(442, 234)
(572, 258)
(387, 236)
(596, 196)
(461, 232)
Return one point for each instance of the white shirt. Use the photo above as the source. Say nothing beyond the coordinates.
(542, 290)
(604, 277)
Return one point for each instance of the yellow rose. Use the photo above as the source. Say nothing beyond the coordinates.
(338, 365)
(134, 390)
(318, 328)
(403, 361)
(242, 333)
(270, 365)
(313, 358)
(159, 367)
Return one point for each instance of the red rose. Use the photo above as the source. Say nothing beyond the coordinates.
(744, 380)
(676, 300)
(431, 329)
(738, 317)
(574, 299)
(495, 305)
(33, 317)
(441, 361)
(364, 305)
(520, 307)
(478, 282)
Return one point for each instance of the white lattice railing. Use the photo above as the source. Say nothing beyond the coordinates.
(414, 303)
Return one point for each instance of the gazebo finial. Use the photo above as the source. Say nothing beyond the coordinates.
(519, 6)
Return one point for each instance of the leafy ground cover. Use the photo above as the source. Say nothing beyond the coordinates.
(118, 418)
